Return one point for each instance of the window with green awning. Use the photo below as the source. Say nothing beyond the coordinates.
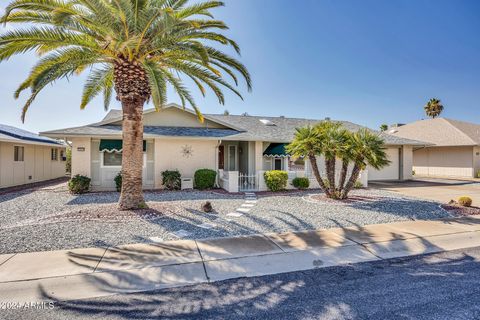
(276, 150)
(109, 145)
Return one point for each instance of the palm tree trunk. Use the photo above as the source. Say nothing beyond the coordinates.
(351, 182)
(343, 175)
(316, 173)
(330, 168)
(131, 196)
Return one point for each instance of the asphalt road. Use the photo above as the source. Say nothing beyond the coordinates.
(438, 286)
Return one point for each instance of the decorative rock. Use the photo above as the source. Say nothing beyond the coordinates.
(207, 207)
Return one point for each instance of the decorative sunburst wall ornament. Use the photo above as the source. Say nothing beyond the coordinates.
(187, 151)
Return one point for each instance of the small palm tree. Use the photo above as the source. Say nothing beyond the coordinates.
(306, 143)
(383, 127)
(433, 108)
(332, 138)
(136, 47)
(367, 148)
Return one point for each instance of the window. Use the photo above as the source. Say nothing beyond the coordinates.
(112, 159)
(18, 153)
(63, 157)
(54, 154)
(278, 164)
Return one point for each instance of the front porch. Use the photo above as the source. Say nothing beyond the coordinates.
(242, 164)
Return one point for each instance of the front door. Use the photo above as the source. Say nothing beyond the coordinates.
(232, 158)
(221, 157)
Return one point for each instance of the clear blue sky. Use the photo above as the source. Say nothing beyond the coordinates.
(369, 62)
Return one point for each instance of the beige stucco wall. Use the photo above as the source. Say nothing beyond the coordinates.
(81, 156)
(173, 117)
(37, 165)
(169, 155)
(445, 161)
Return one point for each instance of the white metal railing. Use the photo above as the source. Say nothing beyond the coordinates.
(247, 182)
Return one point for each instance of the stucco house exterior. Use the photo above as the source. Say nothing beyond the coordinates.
(452, 150)
(239, 148)
(26, 157)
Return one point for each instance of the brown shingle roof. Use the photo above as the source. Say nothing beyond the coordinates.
(440, 132)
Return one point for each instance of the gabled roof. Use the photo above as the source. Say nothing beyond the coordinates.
(282, 129)
(13, 134)
(235, 127)
(116, 115)
(441, 132)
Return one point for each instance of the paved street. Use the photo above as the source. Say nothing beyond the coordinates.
(438, 286)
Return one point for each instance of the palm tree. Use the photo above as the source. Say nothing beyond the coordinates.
(367, 148)
(332, 141)
(383, 127)
(306, 143)
(135, 47)
(433, 108)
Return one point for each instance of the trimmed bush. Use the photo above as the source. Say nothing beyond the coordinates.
(204, 179)
(276, 180)
(465, 201)
(172, 179)
(79, 184)
(118, 181)
(358, 185)
(301, 183)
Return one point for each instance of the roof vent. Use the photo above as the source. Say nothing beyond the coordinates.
(267, 122)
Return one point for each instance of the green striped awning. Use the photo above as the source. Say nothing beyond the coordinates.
(276, 150)
(115, 145)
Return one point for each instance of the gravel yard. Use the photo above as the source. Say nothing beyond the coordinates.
(50, 218)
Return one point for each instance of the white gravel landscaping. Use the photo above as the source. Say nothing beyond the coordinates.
(51, 219)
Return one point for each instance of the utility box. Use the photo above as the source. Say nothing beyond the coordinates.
(187, 183)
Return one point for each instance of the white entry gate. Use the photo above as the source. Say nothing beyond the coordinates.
(247, 182)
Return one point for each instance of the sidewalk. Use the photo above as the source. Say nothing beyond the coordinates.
(94, 272)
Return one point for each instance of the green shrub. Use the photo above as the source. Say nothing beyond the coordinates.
(118, 181)
(276, 180)
(465, 201)
(172, 179)
(413, 172)
(204, 179)
(478, 174)
(301, 183)
(358, 185)
(79, 184)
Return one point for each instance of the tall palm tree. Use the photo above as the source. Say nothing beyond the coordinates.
(367, 148)
(135, 47)
(306, 143)
(433, 108)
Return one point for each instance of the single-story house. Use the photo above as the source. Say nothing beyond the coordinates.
(239, 148)
(453, 148)
(26, 157)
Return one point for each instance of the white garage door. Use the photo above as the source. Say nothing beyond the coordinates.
(392, 172)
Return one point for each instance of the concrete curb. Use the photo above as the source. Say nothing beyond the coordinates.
(95, 272)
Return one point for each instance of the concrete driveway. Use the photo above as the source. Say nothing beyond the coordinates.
(441, 190)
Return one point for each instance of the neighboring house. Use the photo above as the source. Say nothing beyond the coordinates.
(25, 157)
(240, 148)
(453, 150)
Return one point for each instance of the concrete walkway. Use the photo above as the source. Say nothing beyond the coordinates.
(94, 272)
